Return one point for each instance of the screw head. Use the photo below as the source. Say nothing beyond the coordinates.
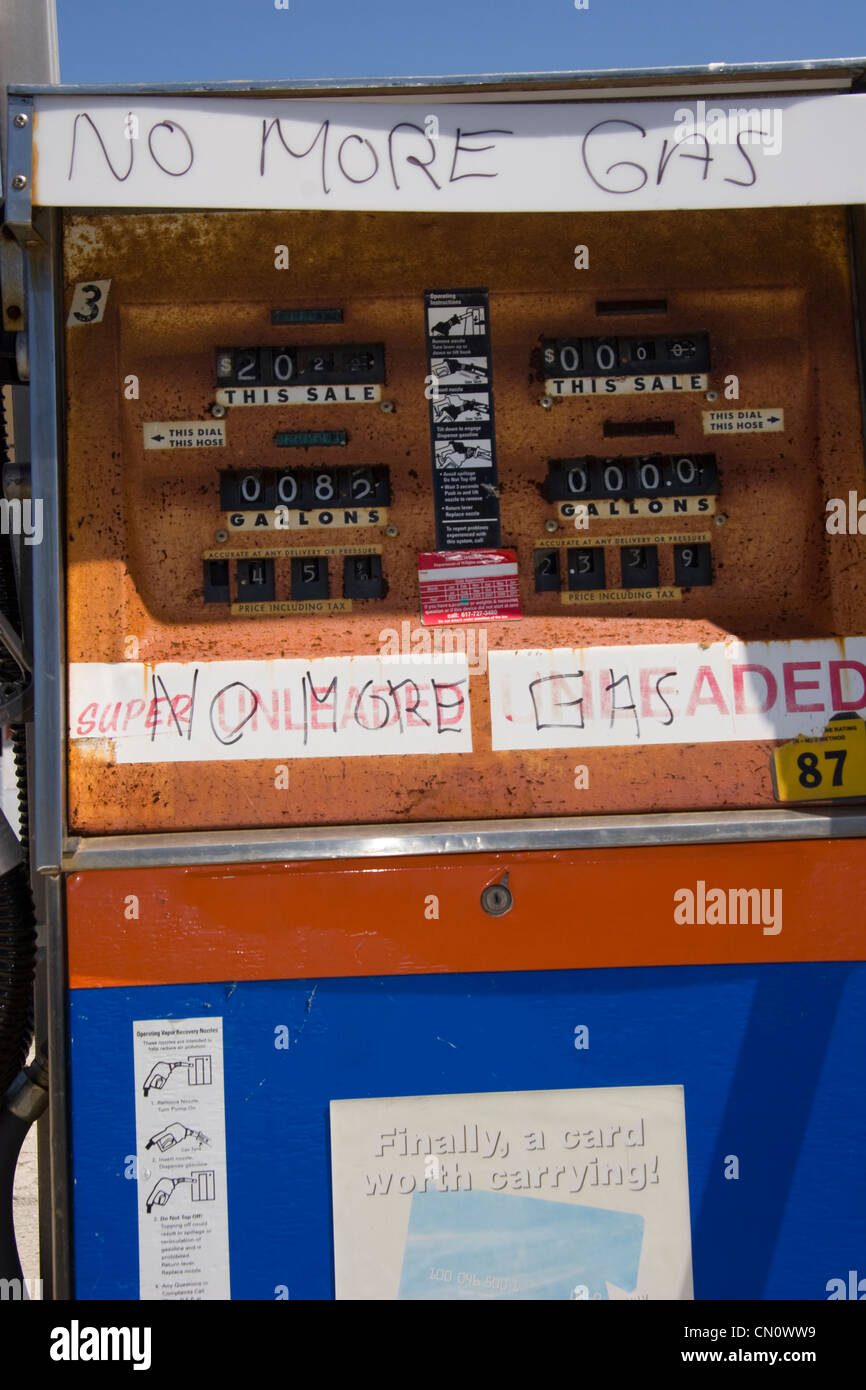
(386, 407)
(217, 411)
(497, 899)
(19, 181)
(721, 519)
(20, 121)
(392, 530)
(712, 396)
(546, 402)
(221, 536)
(551, 525)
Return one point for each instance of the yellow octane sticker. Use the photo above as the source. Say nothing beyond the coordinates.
(831, 767)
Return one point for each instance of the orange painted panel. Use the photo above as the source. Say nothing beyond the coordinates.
(571, 909)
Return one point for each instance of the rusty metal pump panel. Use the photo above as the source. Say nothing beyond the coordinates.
(382, 516)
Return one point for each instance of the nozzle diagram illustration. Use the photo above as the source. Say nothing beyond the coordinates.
(199, 1071)
(468, 321)
(175, 1134)
(454, 453)
(202, 1188)
(460, 368)
(460, 406)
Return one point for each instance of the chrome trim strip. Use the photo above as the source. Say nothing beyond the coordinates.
(208, 847)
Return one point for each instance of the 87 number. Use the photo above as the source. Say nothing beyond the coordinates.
(810, 774)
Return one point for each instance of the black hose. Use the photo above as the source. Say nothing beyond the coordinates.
(17, 918)
(26, 1100)
(25, 1094)
(13, 1131)
(17, 961)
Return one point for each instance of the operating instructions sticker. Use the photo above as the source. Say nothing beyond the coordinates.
(462, 439)
(180, 1155)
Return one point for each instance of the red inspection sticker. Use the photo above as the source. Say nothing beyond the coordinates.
(468, 586)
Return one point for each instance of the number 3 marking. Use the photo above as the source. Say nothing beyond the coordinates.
(88, 302)
(91, 295)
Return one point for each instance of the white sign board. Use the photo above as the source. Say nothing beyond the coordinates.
(518, 1195)
(330, 707)
(610, 697)
(432, 154)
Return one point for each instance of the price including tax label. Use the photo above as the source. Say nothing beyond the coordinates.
(830, 767)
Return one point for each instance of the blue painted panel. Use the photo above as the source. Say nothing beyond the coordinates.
(771, 1058)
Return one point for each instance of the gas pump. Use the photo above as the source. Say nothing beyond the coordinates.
(449, 683)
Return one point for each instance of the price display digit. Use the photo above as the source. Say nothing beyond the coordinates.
(586, 568)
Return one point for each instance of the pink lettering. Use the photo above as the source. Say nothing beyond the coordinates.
(714, 697)
(837, 679)
(86, 721)
(766, 701)
(793, 686)
(134, 710)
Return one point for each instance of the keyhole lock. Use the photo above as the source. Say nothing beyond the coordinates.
(497, 898)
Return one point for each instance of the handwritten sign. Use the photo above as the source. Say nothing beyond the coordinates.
(208, 711)
(616, 696)
(265, 152)
(523, 1195)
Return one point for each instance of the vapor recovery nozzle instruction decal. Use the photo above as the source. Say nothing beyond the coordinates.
(180, 1159)
(462, 436)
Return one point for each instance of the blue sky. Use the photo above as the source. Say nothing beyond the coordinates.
(183, 40)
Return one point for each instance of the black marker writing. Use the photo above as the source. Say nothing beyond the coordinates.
(171, 127)
(296, 154)
(374, 696)
(741, 183)
(235, 733)
(84, 116)
(411, 159)
(670, 720)
(616, 709)
(472, 149)
(344, 171)
(442, 706)
(316, 699)
(547, 681)
(621, 164)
